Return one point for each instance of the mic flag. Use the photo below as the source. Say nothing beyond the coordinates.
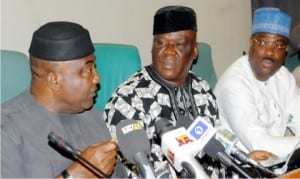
(227, 138)
(201, 132)
(135, 146)
(132, 138)
(179, 148)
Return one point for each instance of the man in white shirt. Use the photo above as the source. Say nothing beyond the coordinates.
(257, 96)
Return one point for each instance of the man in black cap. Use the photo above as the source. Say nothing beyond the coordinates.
(60, 99)
(166, 88)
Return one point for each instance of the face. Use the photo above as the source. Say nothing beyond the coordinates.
(173, 54)
(79, 83)
(267, 54)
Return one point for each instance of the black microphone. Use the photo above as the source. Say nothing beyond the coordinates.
(244, 157)
(66, 147)
(215, 150)
(229, 140)
(135, 146)
(62, 144)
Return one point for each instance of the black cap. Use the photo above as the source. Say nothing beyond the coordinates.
(174, 18)
(61, 41)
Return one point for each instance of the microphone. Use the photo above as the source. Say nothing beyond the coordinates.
(204, 135)
(135, 146)
(215, 150)
(179, 149)
(229, 140)
(66, 147)
(202, 132)
(62, 144)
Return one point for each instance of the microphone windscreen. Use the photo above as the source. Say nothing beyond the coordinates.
(163, 125)
(52, 137)
(213, 147)
(184, 122)
(293, 161)
(132, 138)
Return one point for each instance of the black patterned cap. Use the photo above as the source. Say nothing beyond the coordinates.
(174, 18)
(61, 41)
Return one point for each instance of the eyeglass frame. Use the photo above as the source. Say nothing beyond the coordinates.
(262, 43)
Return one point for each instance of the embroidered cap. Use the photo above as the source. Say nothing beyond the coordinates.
(61, 41)
(174, 18)
(271, 20)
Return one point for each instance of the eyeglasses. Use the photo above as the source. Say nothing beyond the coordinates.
(275, 45)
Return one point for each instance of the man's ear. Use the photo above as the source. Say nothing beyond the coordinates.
(196, 51)
(53, 81)
(250, 41)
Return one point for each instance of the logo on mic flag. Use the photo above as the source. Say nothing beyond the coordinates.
(198, 130)
(183, 139)
(170, 155)
(131, 127)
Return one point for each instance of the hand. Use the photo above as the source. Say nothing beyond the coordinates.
(259, 155)
(102, 155)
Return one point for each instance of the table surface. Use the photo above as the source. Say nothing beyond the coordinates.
(292, 174)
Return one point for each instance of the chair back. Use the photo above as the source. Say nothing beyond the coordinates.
(15, 74)
(291, 62)
(115, 63)
(203, 65)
